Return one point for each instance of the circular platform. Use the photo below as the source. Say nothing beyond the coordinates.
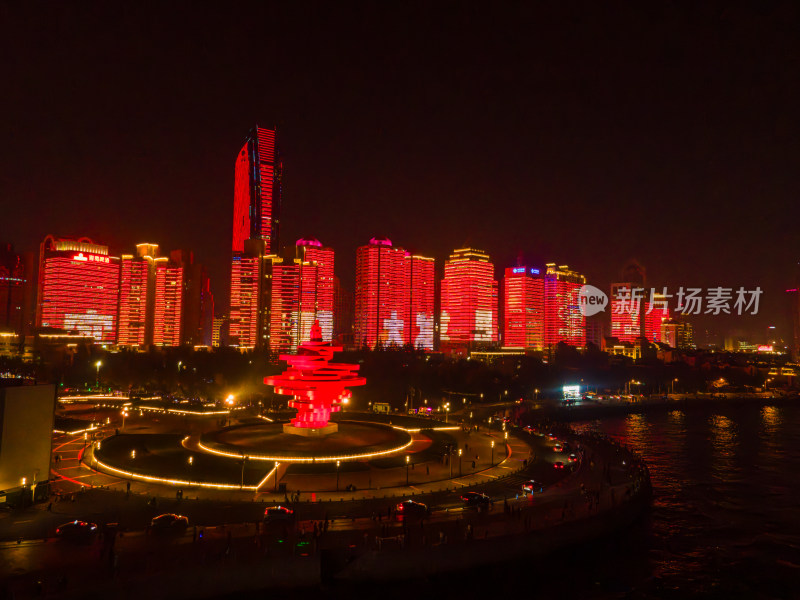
(268, 442)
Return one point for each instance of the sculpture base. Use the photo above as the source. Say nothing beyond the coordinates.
(309, 431)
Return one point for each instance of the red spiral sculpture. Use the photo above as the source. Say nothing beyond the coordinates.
(318, 387)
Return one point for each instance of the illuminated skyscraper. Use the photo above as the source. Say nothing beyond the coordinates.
(655, 317)
(469, 300)
(563, 320)
(247, 306)
(299, 292)
(382, 295)
(137, 297)
(422, 281)
(257, 191)
(627, 304)
(523, 308)
(627, 308)
(169, 280)
(256, 216)
(78, 288)
(316, 288)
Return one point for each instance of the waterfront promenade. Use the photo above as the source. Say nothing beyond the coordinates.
(330, 540)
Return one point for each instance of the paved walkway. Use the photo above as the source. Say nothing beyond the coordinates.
(606, 478)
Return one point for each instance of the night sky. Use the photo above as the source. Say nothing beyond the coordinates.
(586, 135)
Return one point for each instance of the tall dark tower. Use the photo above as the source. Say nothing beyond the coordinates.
(257, 191)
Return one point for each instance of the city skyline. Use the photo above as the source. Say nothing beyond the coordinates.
(557, 177)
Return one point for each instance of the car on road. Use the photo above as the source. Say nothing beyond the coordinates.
(277, 513)
(77, 531)
(475, 499)
(572, 458)
(558, 448)
(552, 436)
(411, 507)
(532, 487)
(558, 464)
(169, 522)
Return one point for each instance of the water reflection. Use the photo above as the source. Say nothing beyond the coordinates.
(724, 488)
(723, 436)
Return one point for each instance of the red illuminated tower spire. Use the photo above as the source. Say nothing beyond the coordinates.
(318, 386)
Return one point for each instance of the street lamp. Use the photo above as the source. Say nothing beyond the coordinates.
(408, 460)
(337, 474)
(673, 384)
(459, 462)
(446, 410)
(124, 414)
(276, 476)
(492, 452)
(98, 364)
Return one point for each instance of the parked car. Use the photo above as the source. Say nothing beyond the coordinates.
(169, 522)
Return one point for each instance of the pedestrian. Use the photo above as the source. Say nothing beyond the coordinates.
(50, 507)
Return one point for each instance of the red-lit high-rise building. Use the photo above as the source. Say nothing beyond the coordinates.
(256, 217)
(422, 281)
(563, 319)
(247, 307)
(299, 292)
(523, 308)
(469, 301)
(394, 298)
(382, 295)
(169, 280)
(78, 288)
(257, 191)
(137, 297)
(315, 262)
(626, 311)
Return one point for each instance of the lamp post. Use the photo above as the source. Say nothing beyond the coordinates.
(673, 384)
(459, 462)
(337, 474)
(244, 461)
(450, 460)
(408, 460)
(446, 410)
(98, 364)
(276, 476)
(492, 452)
(124, 414)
